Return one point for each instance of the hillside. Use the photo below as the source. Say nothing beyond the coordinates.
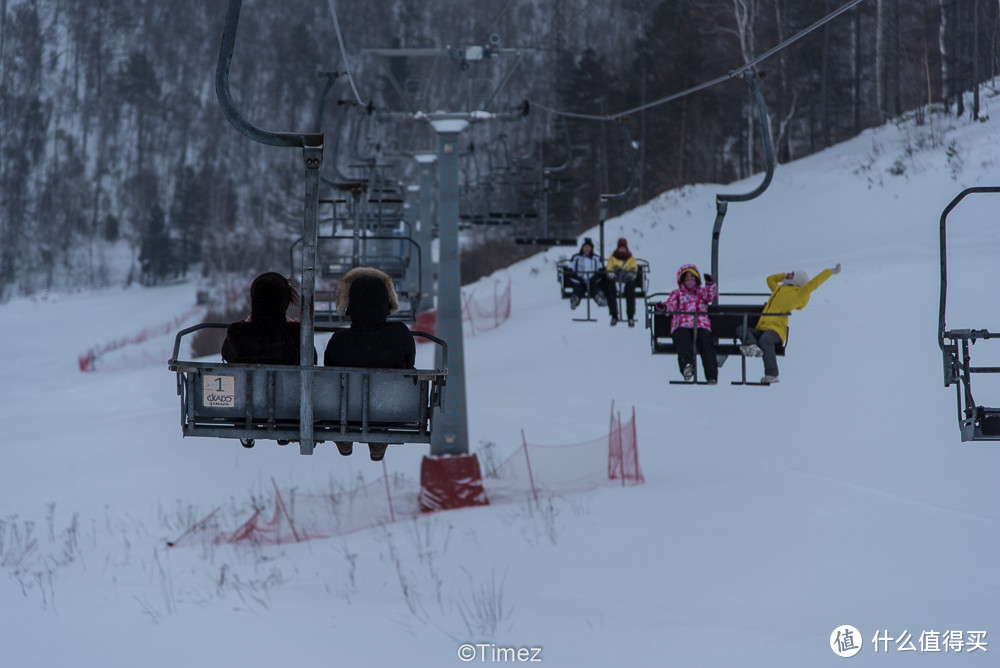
(769, 516)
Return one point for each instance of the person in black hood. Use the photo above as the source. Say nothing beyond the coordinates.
(367, 296)
(268, 336)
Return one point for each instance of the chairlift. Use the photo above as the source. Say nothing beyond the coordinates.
(546, 232)
(262, 402)
(565, 277)
(724, 318)
(975, 422)
(305, 402)
(336, 254)
(642, 280)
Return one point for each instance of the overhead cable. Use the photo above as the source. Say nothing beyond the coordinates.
(486, 32)
(708, 84)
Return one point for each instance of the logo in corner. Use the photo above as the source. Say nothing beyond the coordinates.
(845, 641)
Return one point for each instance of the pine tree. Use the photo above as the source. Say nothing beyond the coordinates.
(156, 257)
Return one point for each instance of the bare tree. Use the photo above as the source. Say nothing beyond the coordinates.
(880, 59)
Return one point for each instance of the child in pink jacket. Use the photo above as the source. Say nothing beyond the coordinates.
(688, 306)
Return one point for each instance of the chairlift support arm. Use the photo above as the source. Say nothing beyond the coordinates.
(607, 197)
(942, 333)
(311, 144)
(722, 200)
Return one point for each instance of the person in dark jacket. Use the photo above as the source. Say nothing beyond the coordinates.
(367, 296)
(268, 336)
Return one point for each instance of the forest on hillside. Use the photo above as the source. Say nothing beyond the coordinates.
(114, 152)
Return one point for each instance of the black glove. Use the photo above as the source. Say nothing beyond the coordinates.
(709, 279)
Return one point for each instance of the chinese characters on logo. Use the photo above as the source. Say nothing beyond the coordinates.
(931, 641)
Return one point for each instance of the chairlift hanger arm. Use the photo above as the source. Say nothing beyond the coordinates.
(331, 78)
(607, 197)
(312, 149)
(722, 200)
(630, 158)
(569, 151)
(531, 138)
(304, 140)
(954, 334)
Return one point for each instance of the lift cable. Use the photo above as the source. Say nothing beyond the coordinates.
(486, 32)
(708, 84)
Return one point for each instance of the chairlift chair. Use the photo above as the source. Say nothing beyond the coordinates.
(641, 284)
(303, 403)
(976, 422)
(725, 320)
(261, 402)
(566, 280)
(332, 262)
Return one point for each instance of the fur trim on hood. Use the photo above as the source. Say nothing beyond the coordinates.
(688, 268)
(798, 279)
(342, 294)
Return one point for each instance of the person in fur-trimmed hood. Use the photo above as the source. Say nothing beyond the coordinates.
(268, 336)
(367, 296)
(789, 291)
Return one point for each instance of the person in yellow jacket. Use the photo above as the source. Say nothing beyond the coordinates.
(623, 270)
(789, 291)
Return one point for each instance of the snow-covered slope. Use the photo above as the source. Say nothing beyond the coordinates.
(769, 518)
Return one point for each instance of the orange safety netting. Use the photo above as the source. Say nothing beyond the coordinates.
(88, 360)
(479, 313)
(533, 472)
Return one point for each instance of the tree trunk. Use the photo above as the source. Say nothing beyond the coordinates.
(927, 70)
(782, 143)
(880, 59)
(856, 93)
(824, 101)
(943, 48)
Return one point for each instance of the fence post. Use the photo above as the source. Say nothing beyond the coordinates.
(279, 502)
(635, 445)
(621, 446)
(385, 476)
(531, 478)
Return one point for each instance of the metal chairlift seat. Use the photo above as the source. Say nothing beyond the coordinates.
(566, 282)
(332, 265)
(564, 276)
(262, 402)
(641, 283)
(976, 422)
(725, 320)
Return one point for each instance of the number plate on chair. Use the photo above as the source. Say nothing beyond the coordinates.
(218, 391)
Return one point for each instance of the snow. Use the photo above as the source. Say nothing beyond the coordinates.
(769, 518)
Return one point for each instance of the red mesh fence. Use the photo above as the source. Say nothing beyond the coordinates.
(531, 473)
(485, 312)
(623, 451)
(92, 359)
(480, 313)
